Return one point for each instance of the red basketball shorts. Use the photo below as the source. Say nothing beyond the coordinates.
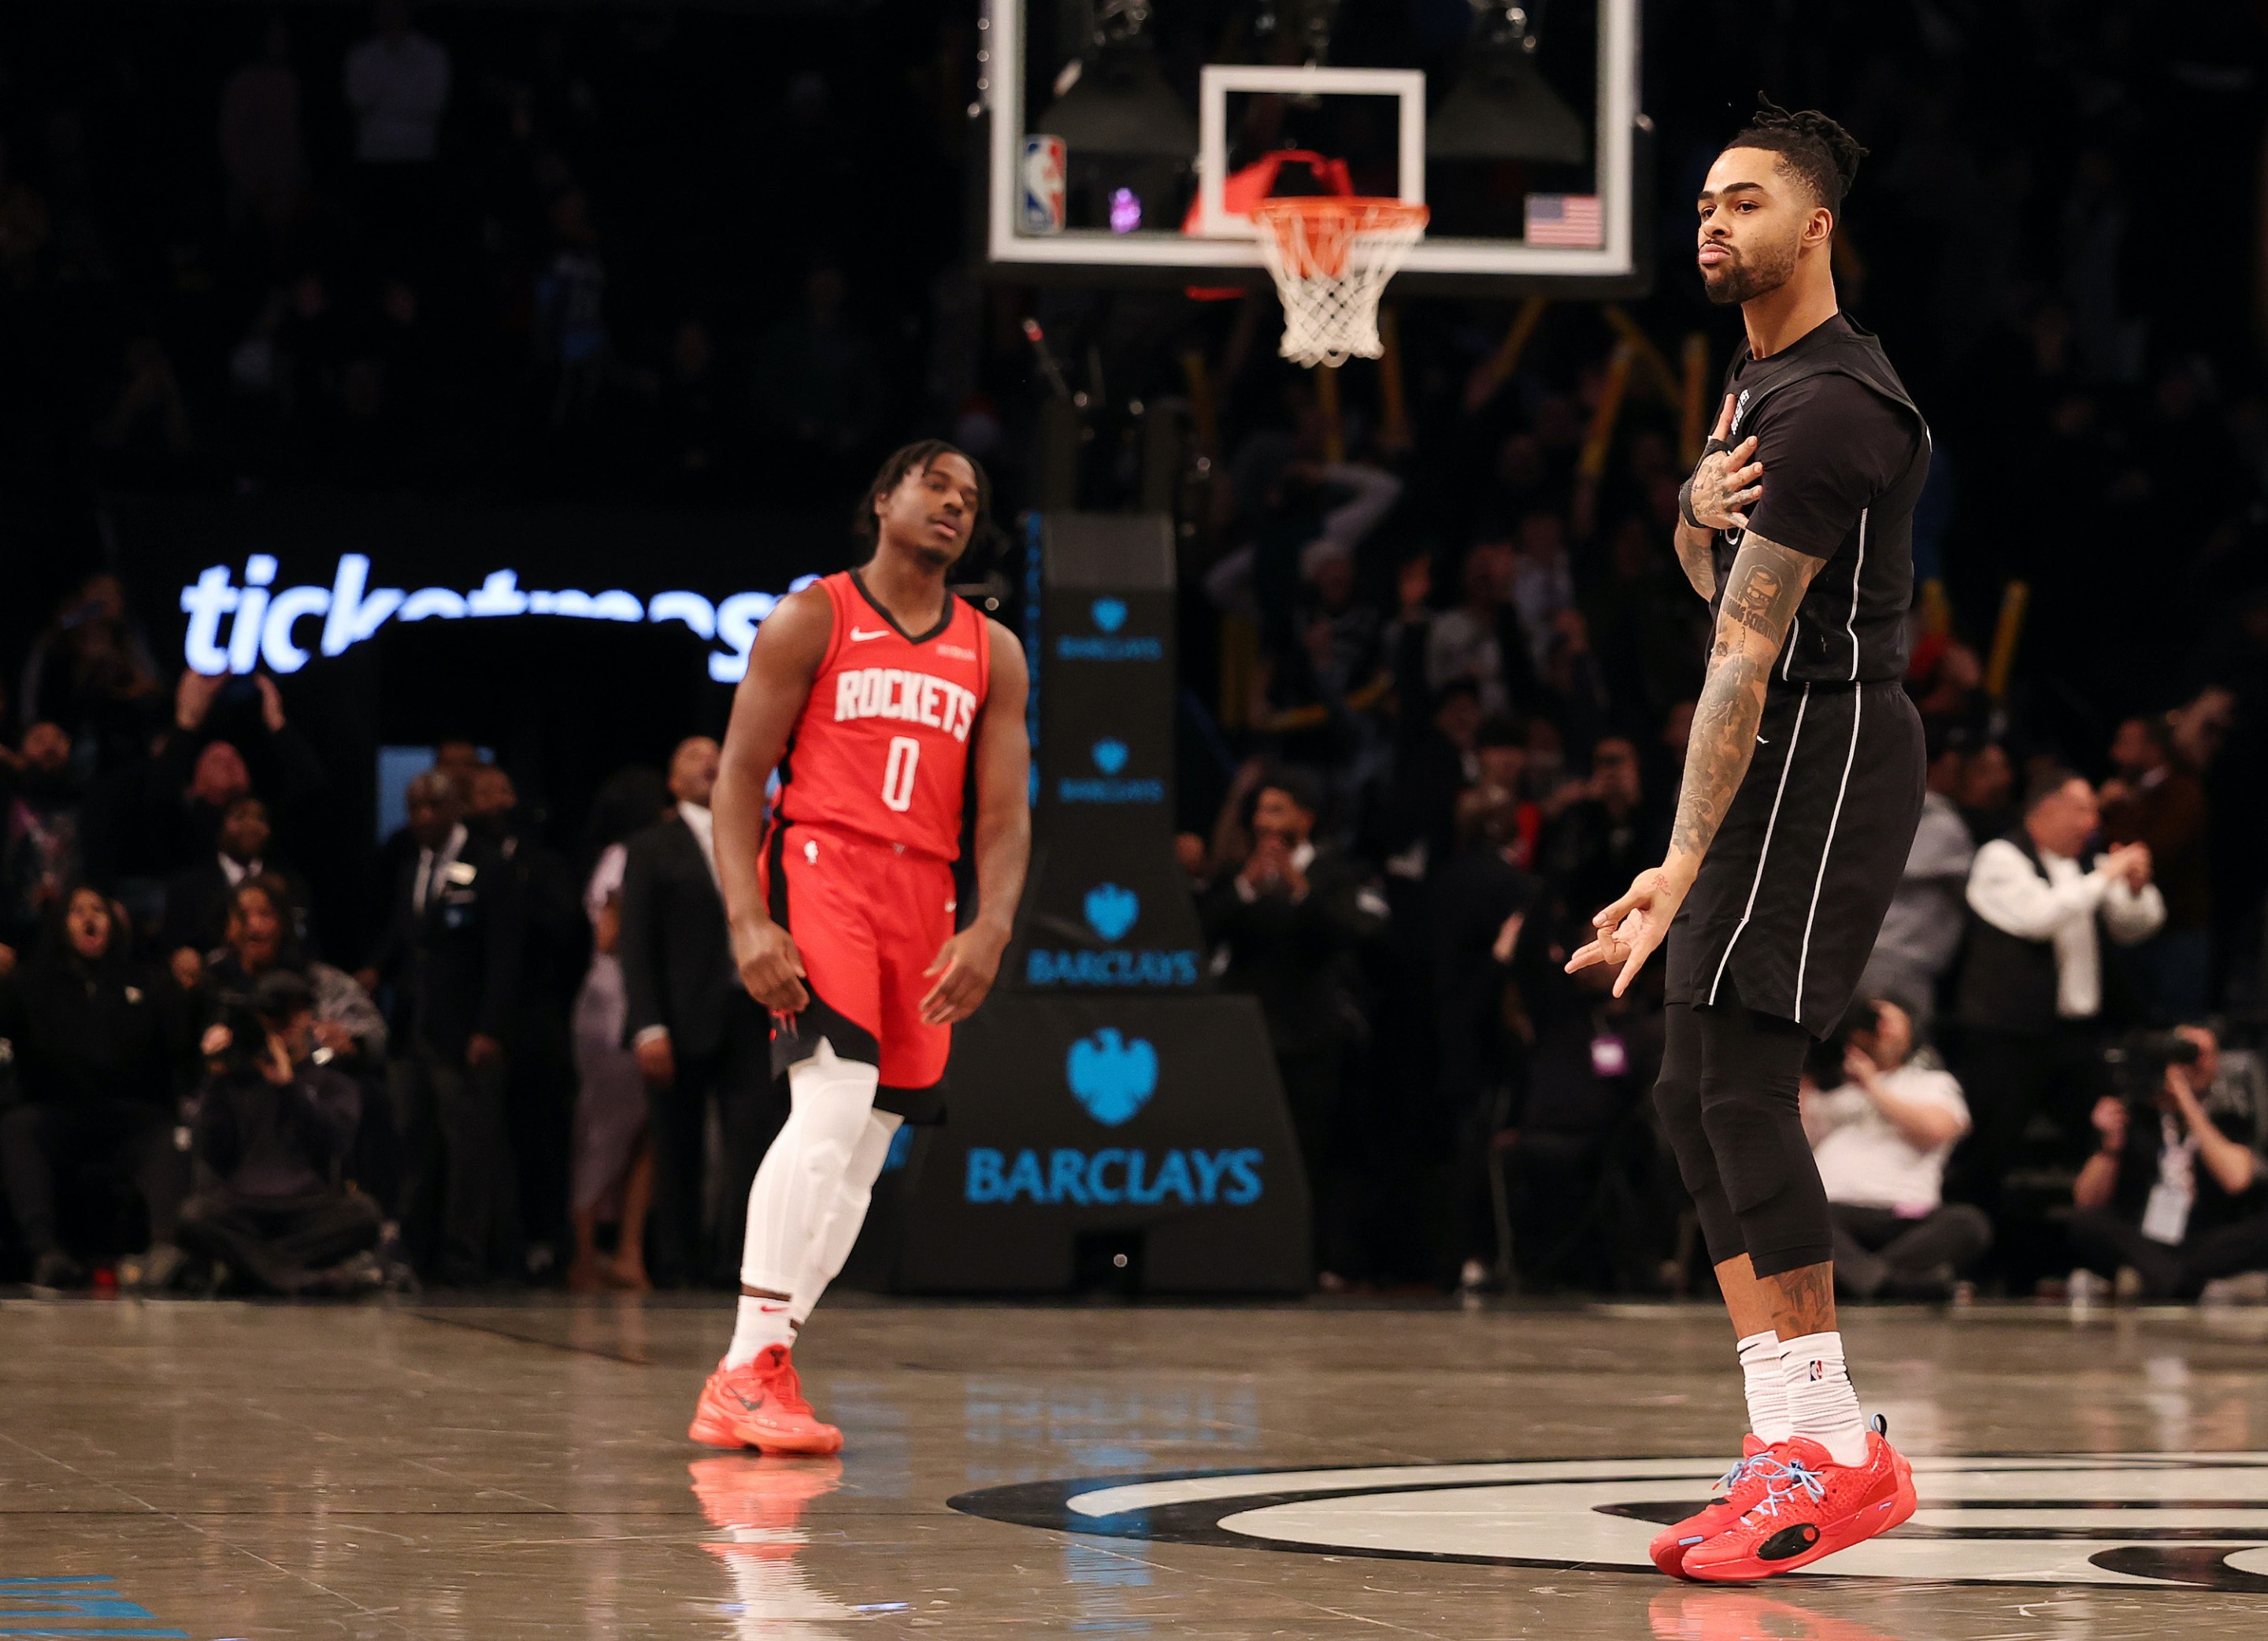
(868, 919)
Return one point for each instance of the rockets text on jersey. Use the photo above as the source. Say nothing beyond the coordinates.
(881, 746)
(911, 697)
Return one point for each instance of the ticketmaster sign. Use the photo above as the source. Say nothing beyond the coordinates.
(235, 626)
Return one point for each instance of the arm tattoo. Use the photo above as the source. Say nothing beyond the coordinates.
(1766, 583)
(1698, 558)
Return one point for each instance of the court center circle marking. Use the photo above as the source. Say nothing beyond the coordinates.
(2193, 1520)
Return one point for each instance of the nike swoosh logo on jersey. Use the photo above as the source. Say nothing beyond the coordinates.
(860, 636)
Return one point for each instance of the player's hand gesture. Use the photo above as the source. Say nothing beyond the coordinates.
(1725, 484)
(1628, 930)
(964, 966)
(771, 966)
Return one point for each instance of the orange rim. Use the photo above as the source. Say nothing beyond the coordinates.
(1315, 230)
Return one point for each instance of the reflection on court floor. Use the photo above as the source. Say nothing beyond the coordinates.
(479, 1471)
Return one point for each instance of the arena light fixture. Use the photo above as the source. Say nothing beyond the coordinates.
(1500, 108)
(1119, 103)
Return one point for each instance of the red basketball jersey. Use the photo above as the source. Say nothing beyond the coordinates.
(881, 747)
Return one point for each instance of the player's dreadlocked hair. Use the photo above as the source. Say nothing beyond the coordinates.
(916, 458)
(1809, 144)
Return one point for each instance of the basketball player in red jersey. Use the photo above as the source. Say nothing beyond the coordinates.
(874, 694)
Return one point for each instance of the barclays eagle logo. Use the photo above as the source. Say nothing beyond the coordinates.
(1109, 641)
(1112, 1078)
(1111, 910)
(1110, 754)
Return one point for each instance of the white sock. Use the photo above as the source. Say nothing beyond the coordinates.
(758, 1325)
(838, 1233)
(795, 1190)
(1821, 1404)
(1762, 1377)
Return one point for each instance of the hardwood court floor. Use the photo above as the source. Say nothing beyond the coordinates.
(498, 1470)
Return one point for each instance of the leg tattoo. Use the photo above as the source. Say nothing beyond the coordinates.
(1802, 1300)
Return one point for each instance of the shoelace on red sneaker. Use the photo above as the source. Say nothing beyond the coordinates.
(1742, 1467)
(1795, 1478)
(786, 1388)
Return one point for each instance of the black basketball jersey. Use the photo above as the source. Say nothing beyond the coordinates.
(1845, 454)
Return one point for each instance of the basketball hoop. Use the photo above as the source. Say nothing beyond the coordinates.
(1331, 256)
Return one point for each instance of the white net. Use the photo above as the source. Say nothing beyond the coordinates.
(1331, 257)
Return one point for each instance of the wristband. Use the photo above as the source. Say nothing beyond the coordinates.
(1685, 490)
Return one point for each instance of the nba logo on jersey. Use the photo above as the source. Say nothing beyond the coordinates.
(1043, 185)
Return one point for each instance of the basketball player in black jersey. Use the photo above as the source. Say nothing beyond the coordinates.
(1803, 786)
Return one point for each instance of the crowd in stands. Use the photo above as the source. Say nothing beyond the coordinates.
(1440, 663)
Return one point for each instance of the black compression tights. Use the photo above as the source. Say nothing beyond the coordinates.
(1728, 1099)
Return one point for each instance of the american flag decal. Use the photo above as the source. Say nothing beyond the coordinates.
(1565, 219)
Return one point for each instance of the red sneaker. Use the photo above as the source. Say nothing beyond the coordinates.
(760, 1405)
(1811, 1508)
(1743, 1485)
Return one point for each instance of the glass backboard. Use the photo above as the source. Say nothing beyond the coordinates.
(1124, 139)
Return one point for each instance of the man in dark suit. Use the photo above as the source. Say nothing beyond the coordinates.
(1285, 927)
(196, 899)
(452, 952)
(696, 1031)
(539, 1050)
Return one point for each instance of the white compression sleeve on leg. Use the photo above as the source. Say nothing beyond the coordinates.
(839, 1232)
(796, 1188)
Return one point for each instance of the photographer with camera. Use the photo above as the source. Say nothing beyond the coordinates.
(1881, 1127)
(273, 1121)
(2172, 1193)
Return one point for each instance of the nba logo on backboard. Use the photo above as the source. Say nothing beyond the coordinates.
(1043, 185)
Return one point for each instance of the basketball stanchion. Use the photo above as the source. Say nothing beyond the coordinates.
(1114, 1119)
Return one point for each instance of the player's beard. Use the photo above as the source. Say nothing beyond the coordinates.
(1750, 274)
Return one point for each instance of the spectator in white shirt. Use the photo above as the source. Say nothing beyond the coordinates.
(1881, 1136)
(2030, 998)
(397, 83)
